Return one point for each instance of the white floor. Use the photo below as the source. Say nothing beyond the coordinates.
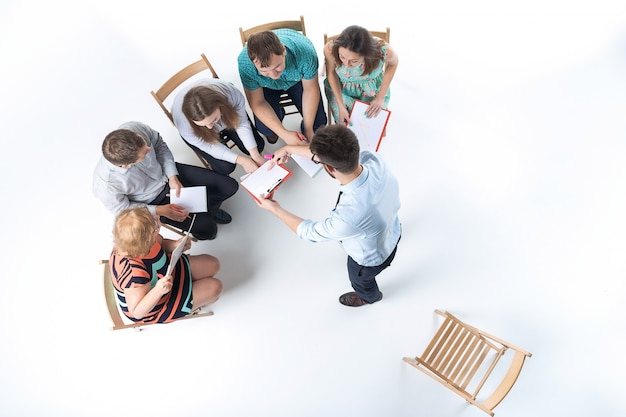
(508, 135)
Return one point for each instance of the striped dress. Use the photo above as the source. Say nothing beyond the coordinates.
(137, 272)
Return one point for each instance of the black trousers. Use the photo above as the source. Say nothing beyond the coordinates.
(219, 187)
(295, 92)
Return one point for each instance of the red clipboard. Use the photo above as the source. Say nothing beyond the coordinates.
(369, 131)
(263, 181)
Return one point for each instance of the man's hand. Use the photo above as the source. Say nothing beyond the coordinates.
(173, 212)
(175, 185)
(293, 137)
(269, 204)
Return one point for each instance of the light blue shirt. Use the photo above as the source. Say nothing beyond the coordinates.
(365, 220)
(120, 188)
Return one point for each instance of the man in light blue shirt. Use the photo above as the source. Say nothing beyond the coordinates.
(365, 219)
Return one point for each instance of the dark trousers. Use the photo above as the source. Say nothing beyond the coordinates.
(218, 188)
(363, 278)
(295, 92)
(224, 167)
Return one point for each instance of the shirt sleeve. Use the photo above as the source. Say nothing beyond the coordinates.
(331, 228)
(114, 200)
(247, 71)
(163, 154)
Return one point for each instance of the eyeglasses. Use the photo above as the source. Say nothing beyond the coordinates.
(314, 161)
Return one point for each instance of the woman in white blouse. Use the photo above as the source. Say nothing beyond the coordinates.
(211, 112)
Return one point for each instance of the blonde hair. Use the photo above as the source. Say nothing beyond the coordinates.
(133, 232)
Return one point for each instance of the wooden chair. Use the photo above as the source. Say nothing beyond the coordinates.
(384, 35)
(462, 358)
(114, 311)
(285, 101)
(164, 92)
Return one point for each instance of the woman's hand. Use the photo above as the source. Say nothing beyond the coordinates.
(375, 107)
(248, 164)
(164, 285)
(280, 156)
(344, 116)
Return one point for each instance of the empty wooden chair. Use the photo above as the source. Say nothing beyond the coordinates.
(463, 358)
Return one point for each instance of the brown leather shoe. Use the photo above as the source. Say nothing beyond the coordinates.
(273, 138)
(352, 299)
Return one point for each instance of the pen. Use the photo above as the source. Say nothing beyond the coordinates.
(268, 156)
(301, 137)
(273, 186)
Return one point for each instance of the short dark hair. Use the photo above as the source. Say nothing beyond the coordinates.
(336, 146)
(121, 147)
(262, 46)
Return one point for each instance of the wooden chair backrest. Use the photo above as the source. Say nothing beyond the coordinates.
(462, 358)
(384, 35)
(280, 24)
(177, 79)
(111, 300)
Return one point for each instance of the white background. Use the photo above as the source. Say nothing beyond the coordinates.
(507, 133)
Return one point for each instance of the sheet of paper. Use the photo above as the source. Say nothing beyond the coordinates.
(310, 167)
(262, 182)
(369, 131)
(176, 253)
(192, 198)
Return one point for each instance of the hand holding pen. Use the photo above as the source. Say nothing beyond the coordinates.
(280, 156)
(302, 138)
(177, 213)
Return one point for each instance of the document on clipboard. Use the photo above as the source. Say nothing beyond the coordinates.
(176, 253)
(368, 130)
(263, 181)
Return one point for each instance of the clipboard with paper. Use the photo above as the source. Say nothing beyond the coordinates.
(264, 180)
(176, 253)
(368, 130)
